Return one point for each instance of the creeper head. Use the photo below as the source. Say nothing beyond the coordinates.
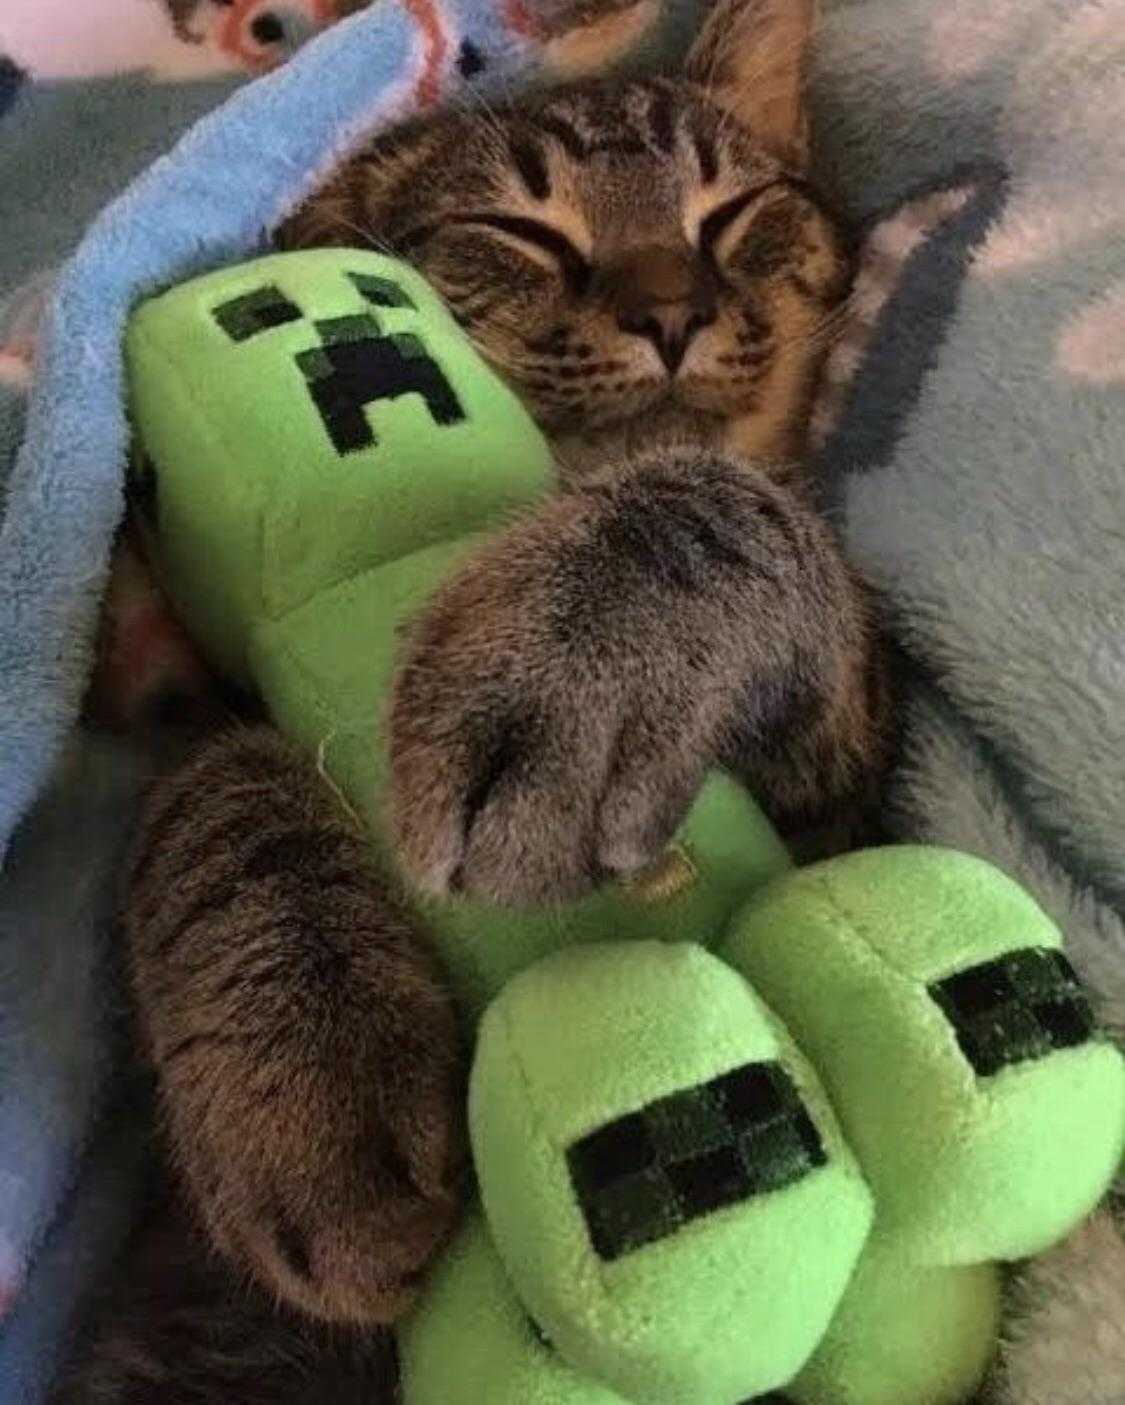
(302, 419)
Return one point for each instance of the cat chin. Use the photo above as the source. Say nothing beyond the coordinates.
(658, 403)
(709, 395)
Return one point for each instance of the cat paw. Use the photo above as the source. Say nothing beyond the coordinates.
(562, 698)
(308, 1055)
(333, 1192)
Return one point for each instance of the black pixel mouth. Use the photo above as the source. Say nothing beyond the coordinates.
(1023, 1006)
(355, 363)
(653, 1172)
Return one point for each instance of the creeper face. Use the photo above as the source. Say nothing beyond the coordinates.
(357, 364)
(307, 417)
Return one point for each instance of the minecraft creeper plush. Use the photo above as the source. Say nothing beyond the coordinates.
(736, 1128)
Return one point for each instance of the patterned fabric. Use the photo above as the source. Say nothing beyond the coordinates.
(170, 39)
(884, 252)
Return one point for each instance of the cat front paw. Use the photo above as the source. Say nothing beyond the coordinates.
(333, 1190)
(536, 796)
(562, 698)
(307, 1051)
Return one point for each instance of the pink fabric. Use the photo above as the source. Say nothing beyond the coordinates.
(64, 39)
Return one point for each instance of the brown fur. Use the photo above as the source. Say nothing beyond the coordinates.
(662, 303)
(559, 703)
(306, 1052)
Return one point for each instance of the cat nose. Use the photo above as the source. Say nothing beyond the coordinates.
(670, 327)
(664, 294)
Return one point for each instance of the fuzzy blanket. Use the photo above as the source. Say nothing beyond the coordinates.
(981, 455)
(87, 102)
(972, 433)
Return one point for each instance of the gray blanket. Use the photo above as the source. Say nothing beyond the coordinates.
(981, 454)
(978, 468)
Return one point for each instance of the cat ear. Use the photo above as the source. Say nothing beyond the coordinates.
(751, 57)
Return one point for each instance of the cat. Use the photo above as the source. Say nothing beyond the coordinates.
(648, 265)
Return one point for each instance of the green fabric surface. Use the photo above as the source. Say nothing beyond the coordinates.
(905, 1335)
(250, 481)
(963, 1168)
(733, 1303)
(471, 1342)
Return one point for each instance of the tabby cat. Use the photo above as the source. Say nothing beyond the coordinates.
(647, 264)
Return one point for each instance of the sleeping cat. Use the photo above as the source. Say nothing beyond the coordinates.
(647, 264)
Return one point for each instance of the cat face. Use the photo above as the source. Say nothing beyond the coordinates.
(617, 248)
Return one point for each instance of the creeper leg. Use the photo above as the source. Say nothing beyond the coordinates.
(663, 1177)
(956, 1045)
(471, 1342)
(905, 1333)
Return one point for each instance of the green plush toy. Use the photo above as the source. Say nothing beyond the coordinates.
(736, 1128)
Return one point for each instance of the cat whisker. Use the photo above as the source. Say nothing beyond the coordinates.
(365, 235)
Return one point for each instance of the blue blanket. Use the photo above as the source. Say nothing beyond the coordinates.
(66, 1184)
(977, 469)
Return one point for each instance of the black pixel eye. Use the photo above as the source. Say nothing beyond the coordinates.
(267, 29)
(655, 1171)
(573, 265)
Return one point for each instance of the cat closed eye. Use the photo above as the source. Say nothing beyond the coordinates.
(721, 220)
(543, 239)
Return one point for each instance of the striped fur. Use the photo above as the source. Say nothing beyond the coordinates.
(306, 1053)
(541, 223)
